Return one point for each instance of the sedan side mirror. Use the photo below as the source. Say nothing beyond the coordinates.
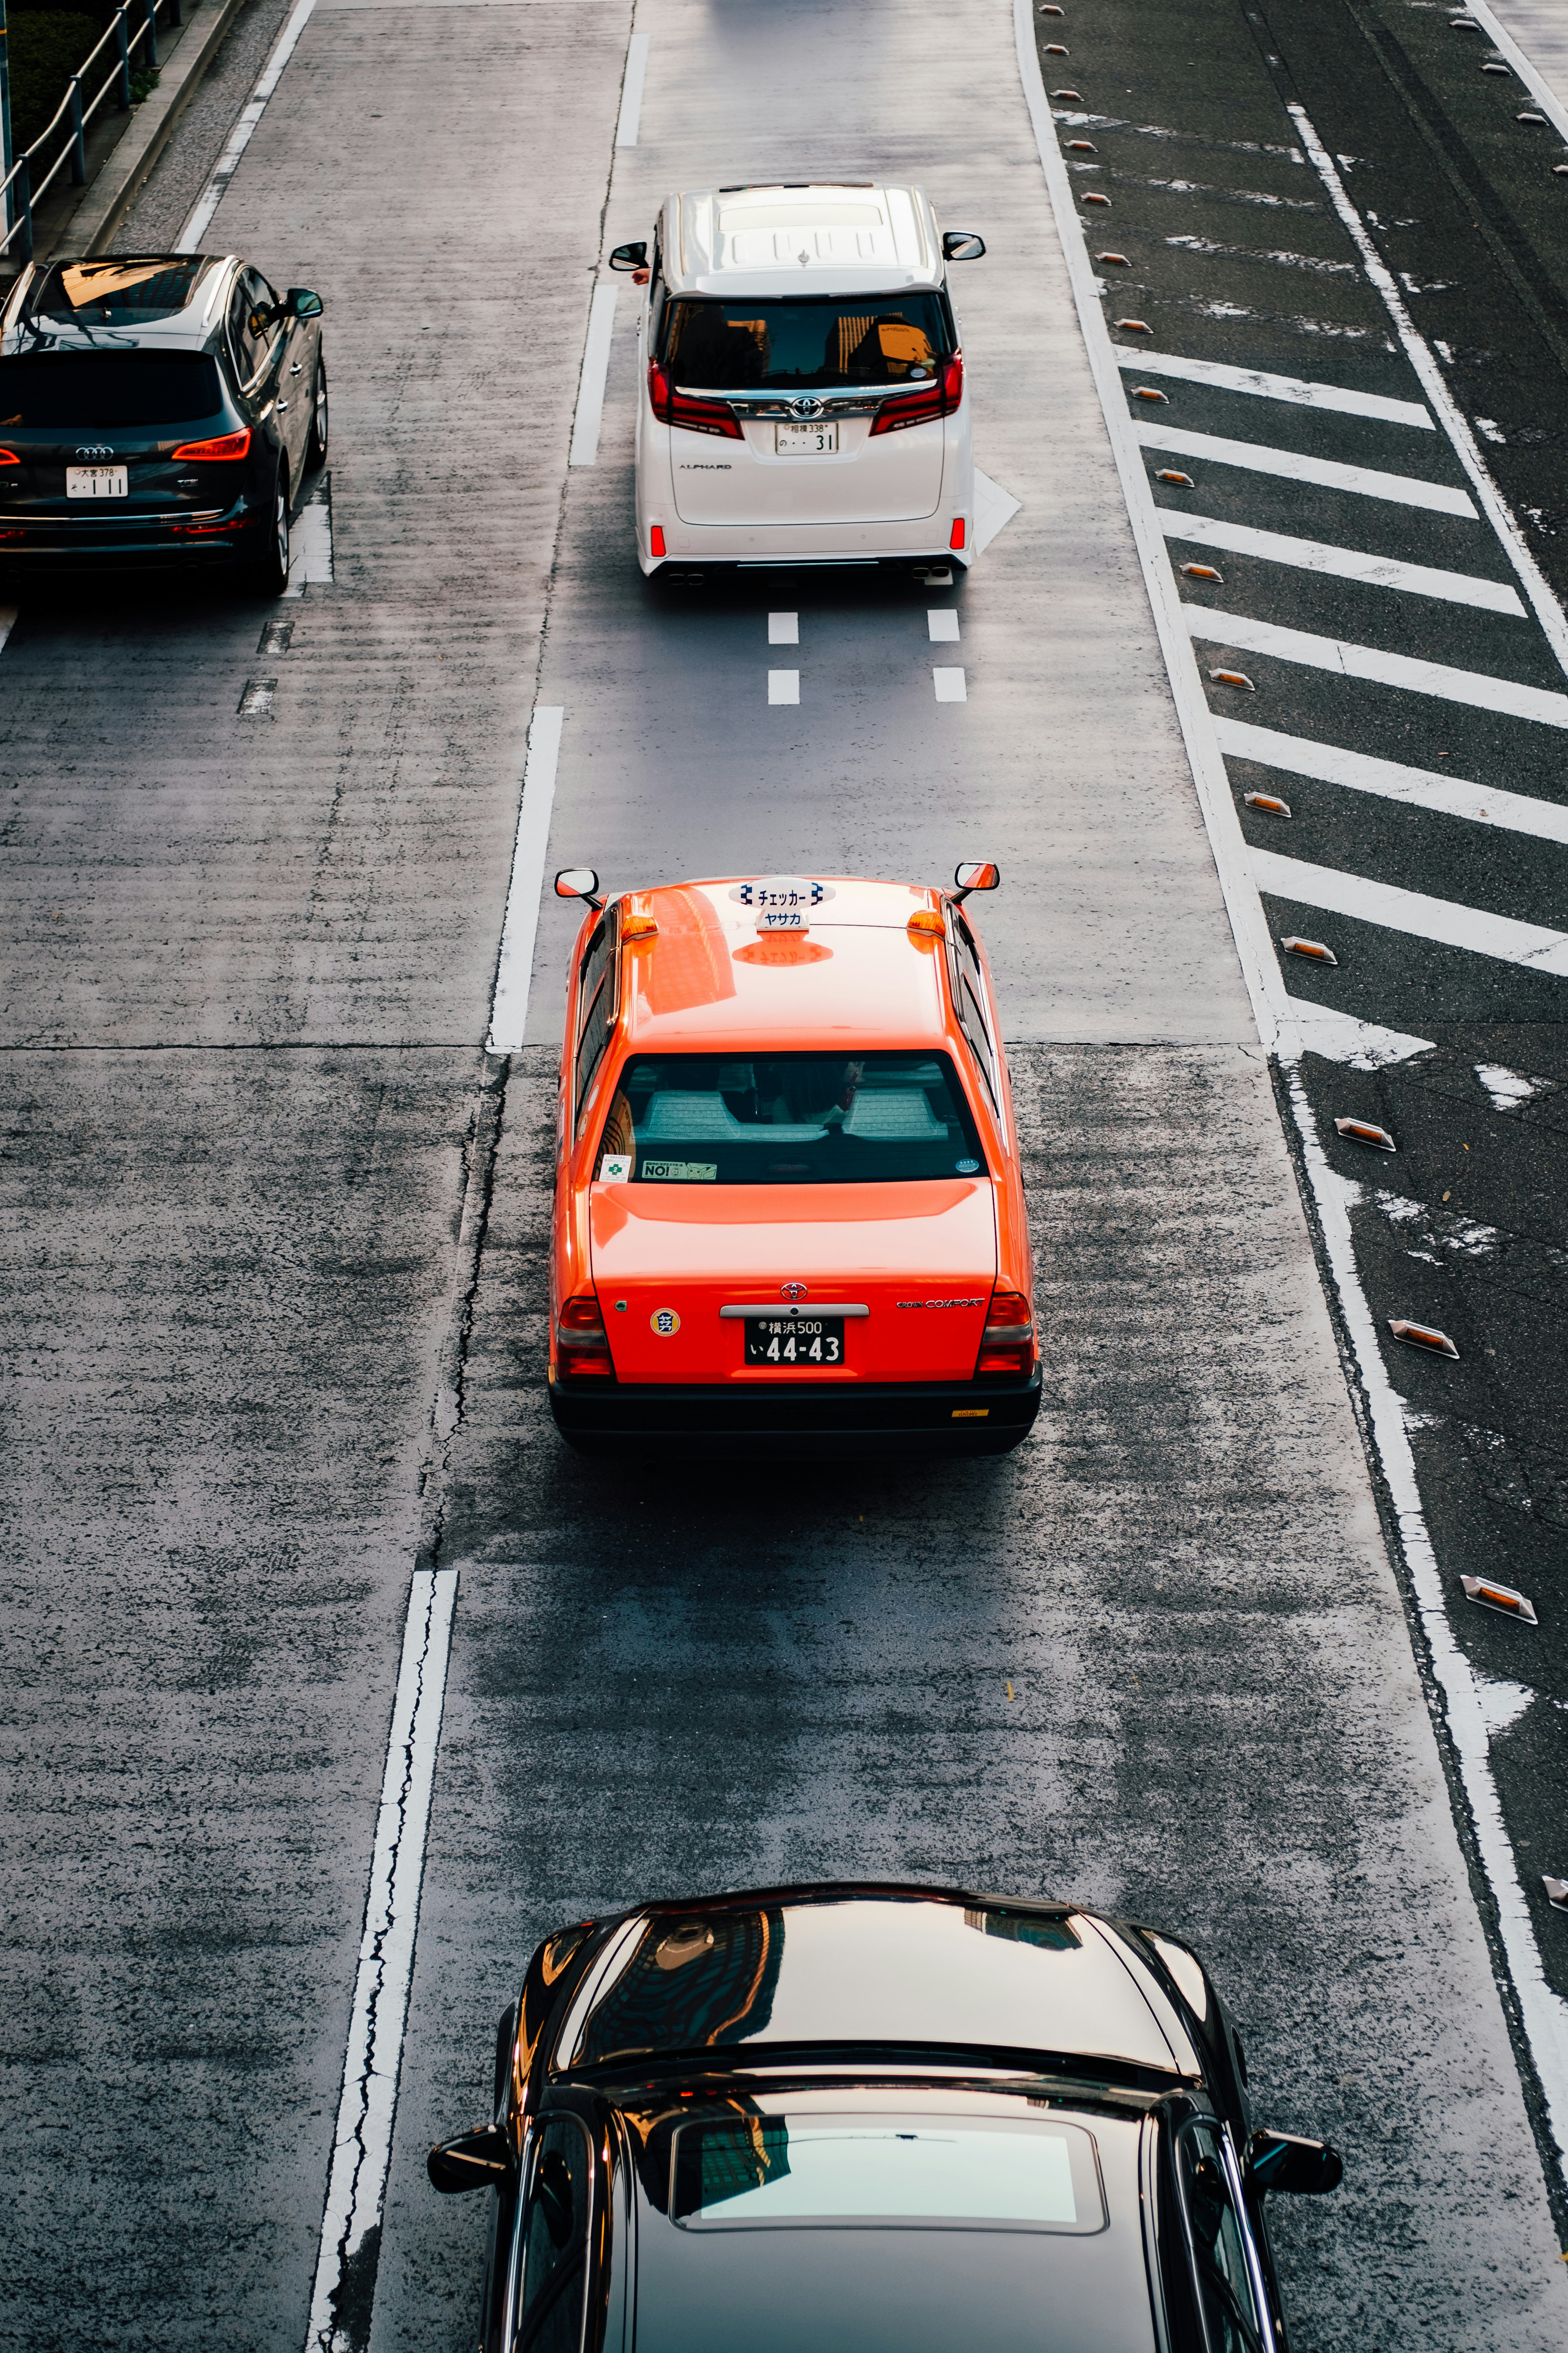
(1283, 2161)
(578, 882)
(301, 303)
(480, 2159)
(962, 245)
(629, 257)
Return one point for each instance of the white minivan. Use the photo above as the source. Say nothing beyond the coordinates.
(802, 396)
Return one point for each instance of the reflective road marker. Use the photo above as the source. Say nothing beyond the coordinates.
(591, 384)
(1327, 474)
(1345, 563)
(1300, 390)
(514, 968)
(1419, 787)
(1451, 926)
(783, 686)
(950, 686)
(1474, 687)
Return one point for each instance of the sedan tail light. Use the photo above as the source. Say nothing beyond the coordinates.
(223, 445)
(9, 458)
(938, 399)
(1007, 1343)
(672, 408)
(582, 1343)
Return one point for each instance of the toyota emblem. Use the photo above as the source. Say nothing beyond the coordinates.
(791, 1291)
(807, 407)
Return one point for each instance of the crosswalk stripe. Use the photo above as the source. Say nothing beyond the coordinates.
(1330, 764)
(1300, 390)
(1343, 563)
(1327, 474)
(1440, 920)
(1474, 687)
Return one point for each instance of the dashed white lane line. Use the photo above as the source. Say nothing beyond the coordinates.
(1326, 473)
(227, 163)
(1330, 764)
(590, 414)
(311, 549)
(783, 686)
(784, 628)
(1440, 920)
(1345, 563)
(942, 623)
(515, 967)
(1300, 390)
(9, 615)
(631, 91)
(950, 686)
(1474, 687)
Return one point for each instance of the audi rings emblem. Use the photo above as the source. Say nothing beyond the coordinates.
(807, 408)
(95, 453)
(791, 1291)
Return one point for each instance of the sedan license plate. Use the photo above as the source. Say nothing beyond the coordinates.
(805, 441)
(807, 1340)
(95, 482)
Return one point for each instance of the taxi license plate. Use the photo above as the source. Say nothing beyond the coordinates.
(95, 482)
(805, 1340)
(805, 441)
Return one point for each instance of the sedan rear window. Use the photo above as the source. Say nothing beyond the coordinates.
(86, 389)
(788, 1119)
(934, 2171)
(748, 346)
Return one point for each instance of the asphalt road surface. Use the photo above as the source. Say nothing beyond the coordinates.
(275, 1258)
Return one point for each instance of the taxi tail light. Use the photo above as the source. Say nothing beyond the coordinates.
(938, 399)
(1007, 1343)
(223, 445)
(582, 1343)
(673, 407)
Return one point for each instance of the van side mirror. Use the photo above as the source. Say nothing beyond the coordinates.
(578, 882)
(480, 2159)
(966, 878)
(629, 257)
(962, 245)
(301, 303)
(1283, 2161)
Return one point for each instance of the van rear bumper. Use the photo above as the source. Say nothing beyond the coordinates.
(789, 545)
(787, 1417)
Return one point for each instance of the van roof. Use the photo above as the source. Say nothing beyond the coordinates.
(827, 237)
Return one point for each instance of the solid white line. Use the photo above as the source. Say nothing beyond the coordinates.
(784, 628)
(783, 686)
(951, 686)
(941, 622)
(361, 2143)
(514, 970)
(1476, 688)
(1547, 610)
(1440, 920)
(1417, 788)
(227, 163)
(591, 384)
(1343, 563)
(631, 91)
(1300, 390)
(1366, 481)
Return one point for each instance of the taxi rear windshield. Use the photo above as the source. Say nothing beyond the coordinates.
(751, 345)
(788, 1119)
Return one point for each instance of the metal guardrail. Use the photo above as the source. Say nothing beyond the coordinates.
(19, 190)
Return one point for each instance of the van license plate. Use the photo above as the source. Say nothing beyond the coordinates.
(95, 482)
(805, 1340)
(805, 441)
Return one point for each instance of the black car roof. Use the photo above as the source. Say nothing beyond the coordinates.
(197, 279)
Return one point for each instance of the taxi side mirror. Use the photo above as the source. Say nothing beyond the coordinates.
(480, 2159)
(629, 257)
(578, 882)
(962, 245)
(301, 303)
(966, 878)
(1284, 2161)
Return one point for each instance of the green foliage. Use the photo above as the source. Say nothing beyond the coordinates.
(47, 48)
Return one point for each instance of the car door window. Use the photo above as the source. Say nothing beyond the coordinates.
(252, 331)
(555, 2240)
(596, 1005)
(969, 998)
(1217, 2235)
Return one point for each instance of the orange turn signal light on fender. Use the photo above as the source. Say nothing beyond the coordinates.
(223, 445)
(926, 920)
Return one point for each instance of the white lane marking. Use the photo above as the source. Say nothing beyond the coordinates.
(514, 968)
(1508, 1089)
(631, 91)
(1360, 1045)
(1547, 610)
(783, 686)
(9, 616)
(950, 686)
(941, 621)
(1300, 390)
(1417, 788)
(1343, 563)
(1503, 41)
(993, 509)
(1545, 2012)
(256, 698)
(310, 544)
(1327, 474)
(227, 163)
(1440, 920)
(784, 628)
(1476, 688)
(361, 2143)
(591, 384)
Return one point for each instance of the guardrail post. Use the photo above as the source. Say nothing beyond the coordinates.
(22, 199)
(79, 140)
(151, 32)
(176, 14)
(7, 209)
(122, 17)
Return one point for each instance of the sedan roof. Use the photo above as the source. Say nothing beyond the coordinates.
(819, 237)
(114, 302)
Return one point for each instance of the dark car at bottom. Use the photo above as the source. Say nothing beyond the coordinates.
(156, 410)
(888, 2118)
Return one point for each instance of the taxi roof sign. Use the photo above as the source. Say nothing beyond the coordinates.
(782, 902)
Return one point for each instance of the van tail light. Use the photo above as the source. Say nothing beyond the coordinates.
(938, 399)
(1007, 1343)
(656, 539)
(672, 408)
(582, 1343)
(225, 445)
(957, 538)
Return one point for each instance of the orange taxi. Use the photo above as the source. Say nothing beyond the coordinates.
(789, 1214)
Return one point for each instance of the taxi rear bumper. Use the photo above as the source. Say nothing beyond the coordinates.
(850, 1421)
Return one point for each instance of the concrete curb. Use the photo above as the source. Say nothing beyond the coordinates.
(127, 165)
